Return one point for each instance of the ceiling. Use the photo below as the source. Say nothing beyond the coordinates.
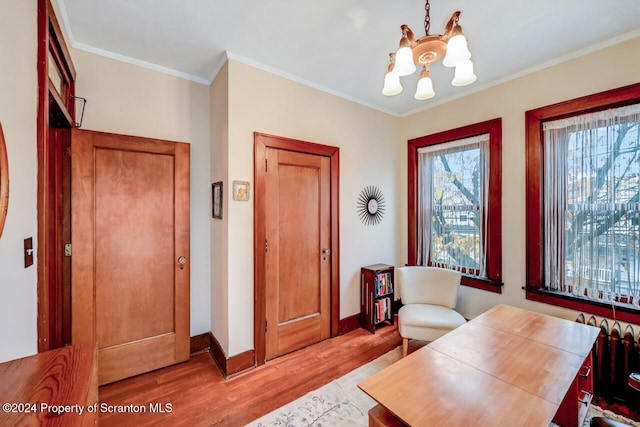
(342, 46)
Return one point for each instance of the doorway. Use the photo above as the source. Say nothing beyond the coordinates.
(56, 118)
(296, 244)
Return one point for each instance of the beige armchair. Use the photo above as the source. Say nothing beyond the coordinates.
(429, 296)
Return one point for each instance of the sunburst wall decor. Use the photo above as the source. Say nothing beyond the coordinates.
(370, 205)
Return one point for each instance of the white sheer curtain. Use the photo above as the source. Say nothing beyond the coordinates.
(591, 204)
(453, 182)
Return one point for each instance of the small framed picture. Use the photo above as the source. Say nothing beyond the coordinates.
(216, 199)
(241, 190)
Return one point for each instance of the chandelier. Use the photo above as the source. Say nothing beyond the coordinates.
(452, 45)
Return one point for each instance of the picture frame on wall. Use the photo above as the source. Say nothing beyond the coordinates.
(216, 200)
(241, 190)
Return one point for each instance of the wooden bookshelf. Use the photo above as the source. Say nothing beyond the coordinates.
(377, 294)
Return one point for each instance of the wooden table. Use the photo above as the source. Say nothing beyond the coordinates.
(54, 388)
(507, 366)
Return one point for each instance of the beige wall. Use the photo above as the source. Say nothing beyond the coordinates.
(220, 232)
(368, 141)
(606, 69)
(127, 99)
(18, 105)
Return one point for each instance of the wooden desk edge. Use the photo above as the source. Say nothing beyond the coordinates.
(379, 416)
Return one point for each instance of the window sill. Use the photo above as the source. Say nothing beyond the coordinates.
(484, 284)
(618, 311)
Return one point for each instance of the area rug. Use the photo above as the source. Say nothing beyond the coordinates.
(339, 403)
(342, 404)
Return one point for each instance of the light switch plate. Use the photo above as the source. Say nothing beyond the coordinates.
(28, 252)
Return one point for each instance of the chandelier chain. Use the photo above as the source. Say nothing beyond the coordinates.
(427, 17)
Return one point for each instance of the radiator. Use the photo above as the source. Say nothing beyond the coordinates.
(615, 356)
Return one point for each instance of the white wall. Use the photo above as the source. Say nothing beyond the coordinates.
(18, 111)
(220, 227)
(603, 70)
(131, 100)
(368, 141)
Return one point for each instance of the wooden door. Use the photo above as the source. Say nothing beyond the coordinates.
(130, 264)
(60, 271)
(298, 239)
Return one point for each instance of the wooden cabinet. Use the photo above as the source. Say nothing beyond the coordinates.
(377, 290)
(574, 406)
(379, 416)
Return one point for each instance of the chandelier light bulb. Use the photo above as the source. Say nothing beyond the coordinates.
(464, 74)
(457, 50)
(404, 59)
(425, 86)
(392, 84)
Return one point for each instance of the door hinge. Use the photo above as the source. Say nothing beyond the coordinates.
(266, 167)
(266, 325)
(67, 249)
(266, 245)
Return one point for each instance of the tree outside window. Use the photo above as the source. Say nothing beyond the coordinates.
(454, 198)
(583, 204)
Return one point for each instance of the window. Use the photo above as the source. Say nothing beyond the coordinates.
(453, 191)
(454, 202)
(583, 197)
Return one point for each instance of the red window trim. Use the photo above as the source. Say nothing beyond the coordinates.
(494, 243)
(534, 157)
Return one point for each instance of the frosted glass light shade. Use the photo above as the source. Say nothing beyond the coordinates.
(392, 84)
(464, 74)
(425, 89)
(404, 62)
(457, 51)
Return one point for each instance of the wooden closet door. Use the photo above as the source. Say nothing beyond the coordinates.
(130, 240)
(298, 262)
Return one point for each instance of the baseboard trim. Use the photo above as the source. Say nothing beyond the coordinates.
(234, 365)
(240, 363)
(200, 343)
(230, 366)
(349, 324)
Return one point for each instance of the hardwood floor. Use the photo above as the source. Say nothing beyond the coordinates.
(194, 393)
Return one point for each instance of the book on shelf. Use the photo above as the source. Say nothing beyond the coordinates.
(382, 310)
(383, 284)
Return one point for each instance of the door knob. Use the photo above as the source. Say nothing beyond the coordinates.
(182, 261)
